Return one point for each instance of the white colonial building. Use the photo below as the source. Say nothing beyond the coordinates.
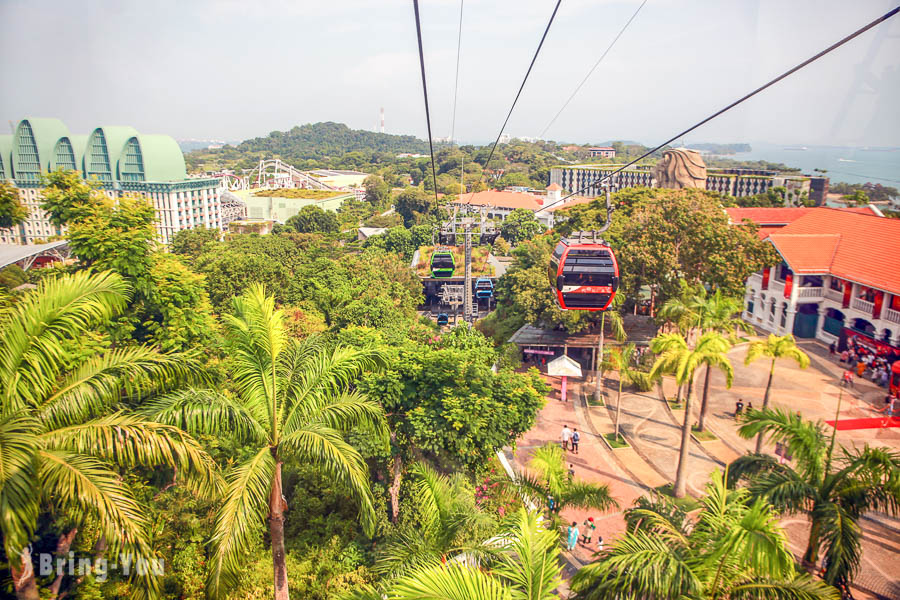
(840, 278)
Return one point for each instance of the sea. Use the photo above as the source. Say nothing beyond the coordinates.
(847, 164)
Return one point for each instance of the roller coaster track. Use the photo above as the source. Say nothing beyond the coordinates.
(273, 174)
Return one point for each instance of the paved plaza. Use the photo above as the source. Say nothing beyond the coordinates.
(653, 431)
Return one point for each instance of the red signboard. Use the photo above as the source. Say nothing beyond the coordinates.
(765, 285)
(788, 283)
(877, 304)
(848, 290)
(879, 348)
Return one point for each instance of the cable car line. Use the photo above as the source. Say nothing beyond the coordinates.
(456, 82)
(425, 91)
(521, 87)
(787, 73)
(591, 72)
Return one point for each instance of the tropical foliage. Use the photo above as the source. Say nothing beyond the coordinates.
(835, 488)
(733, 548)
(65, 433)
(294, 402)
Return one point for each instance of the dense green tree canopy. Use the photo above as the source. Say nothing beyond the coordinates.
(447, 402)
(312, 219)
(12, 212)
(662, 236)
(520, 225)
(190, 242)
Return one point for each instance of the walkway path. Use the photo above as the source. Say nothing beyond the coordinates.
(593, 463)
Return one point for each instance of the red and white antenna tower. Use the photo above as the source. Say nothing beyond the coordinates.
(382, 119)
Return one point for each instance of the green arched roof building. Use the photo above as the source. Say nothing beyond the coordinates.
(110, 154)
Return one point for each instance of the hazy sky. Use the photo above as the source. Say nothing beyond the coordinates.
(233, 69)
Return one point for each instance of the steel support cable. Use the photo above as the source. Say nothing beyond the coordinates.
(456, 81)
(594, 68)
(425, 92)
(521, 87)
(857, 33)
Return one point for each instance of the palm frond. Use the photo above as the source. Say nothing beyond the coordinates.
(32, 332)
(530, 559)
(314, 381)
(639, 566)
(325, 447)
(255, 339)
(452, 581)
(18, 500)
(805, 440)
(584, 494)
(82, 485)
(801, 587)
(130, 441)
(841, 536)
(103, 380)
(205, 411)
(237, 521)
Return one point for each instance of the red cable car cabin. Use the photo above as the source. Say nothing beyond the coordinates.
(584, 275)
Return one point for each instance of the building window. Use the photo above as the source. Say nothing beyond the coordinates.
(750, 306)
(866, 293)
(811, 281)
(783, 272)
(836, 284)
(783, 315)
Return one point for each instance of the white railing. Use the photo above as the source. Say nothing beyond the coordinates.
(860, 304)
(892, 315)
(810, 292)
(834, 295)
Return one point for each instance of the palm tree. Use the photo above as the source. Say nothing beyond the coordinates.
(63, 438)
(732, 549)
(674, 356)
(834, 492)
(774, 347)
(552, 479)
(294, 402)
(620, 360)
(449, 522)
(527, 567)
(617, 324)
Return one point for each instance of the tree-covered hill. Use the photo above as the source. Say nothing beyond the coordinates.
(313, 141)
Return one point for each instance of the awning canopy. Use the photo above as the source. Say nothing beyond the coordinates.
(563, 366)
(12, 253)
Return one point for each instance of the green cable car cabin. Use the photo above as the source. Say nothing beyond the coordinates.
(442, 263)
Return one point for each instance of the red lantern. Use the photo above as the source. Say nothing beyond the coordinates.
(848, 289)
(765, 284)
(788, 284)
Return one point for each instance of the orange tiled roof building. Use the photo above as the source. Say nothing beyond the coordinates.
(839, 278)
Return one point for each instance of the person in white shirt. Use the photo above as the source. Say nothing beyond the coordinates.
(566, 436)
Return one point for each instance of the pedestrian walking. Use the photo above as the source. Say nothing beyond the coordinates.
(566, 436)
(749, 406)
(832, 348)
(845, 356)
(589, 528)
(571, 471)
(551, 503)
(738, 408)
(576, 437)
(599, 543)
(573, 536)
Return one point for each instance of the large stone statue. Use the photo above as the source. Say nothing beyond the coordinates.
(680, 168)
